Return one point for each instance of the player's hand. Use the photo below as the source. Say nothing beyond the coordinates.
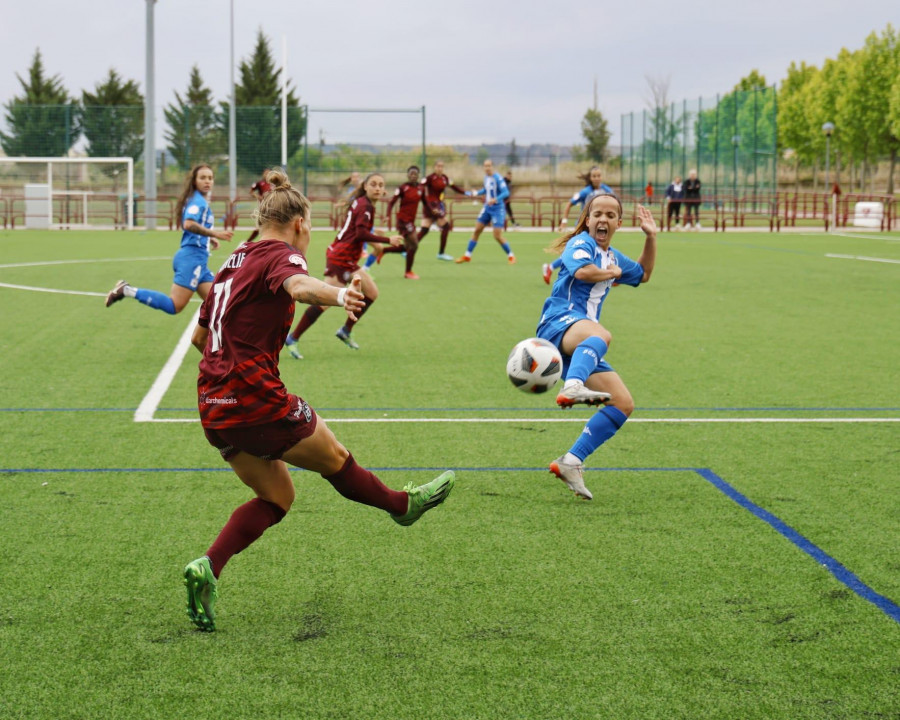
(354, 300)
(213, 243)
(648, 224)
(492, 201)
(396, 240)
(225, 234)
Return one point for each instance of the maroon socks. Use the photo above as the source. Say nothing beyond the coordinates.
(360, 485)
(246, 524)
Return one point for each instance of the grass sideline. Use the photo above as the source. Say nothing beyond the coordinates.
(662, 598)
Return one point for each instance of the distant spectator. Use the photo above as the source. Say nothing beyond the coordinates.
(692, 201)
(648, 193)
(674, 196)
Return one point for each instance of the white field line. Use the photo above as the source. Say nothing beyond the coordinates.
(51, 290)
(862, 257)
(157, 391)
(78, 262)
(570, 420)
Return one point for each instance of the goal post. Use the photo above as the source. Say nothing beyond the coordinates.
(36, 182)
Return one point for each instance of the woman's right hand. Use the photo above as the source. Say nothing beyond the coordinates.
(354, 300)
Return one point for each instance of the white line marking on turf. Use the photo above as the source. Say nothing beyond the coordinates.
(51, 290)
(862, 257)
(154, 396)
(77, 262)
(566, 420)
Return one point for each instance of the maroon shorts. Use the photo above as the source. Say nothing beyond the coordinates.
(268, 441)
(342, 272)
(406, 228)
(434, 210)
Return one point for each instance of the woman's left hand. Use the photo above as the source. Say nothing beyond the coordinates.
(648, 224)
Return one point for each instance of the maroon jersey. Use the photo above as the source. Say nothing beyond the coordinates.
(409, 195)
(347, 246)
(260, 186)
(248, 314)
(436, 184)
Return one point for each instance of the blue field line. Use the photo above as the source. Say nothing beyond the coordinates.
(840, 573)
(843, 575)
(482, 409)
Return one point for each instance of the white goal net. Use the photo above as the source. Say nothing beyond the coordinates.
(67, 192)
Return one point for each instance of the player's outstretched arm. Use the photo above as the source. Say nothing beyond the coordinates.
(312, 291)
(648, 256)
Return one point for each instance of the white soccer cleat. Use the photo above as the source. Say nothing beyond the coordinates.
(572, 475)
(575, 392)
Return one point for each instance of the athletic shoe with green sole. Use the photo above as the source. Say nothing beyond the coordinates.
(201, 593)
(424, 497)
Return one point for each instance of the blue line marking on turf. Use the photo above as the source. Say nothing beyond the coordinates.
(887, 606)
(484, 409)
(840, 573)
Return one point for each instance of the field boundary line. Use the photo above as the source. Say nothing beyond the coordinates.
(45, 263)
(862, 257)
(51, 290)
(147, 409)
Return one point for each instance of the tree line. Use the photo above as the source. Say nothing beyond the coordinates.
(858, 92)
(45, 120)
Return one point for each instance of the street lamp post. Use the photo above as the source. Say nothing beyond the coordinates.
(828, 128)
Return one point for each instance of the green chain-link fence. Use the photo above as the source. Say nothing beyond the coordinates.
(730, 141)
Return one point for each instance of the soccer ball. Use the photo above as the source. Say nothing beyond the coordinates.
(534, 365)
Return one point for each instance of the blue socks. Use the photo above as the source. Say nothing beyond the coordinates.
(155, 299)
(471, 246)
(506, 248)
(370, 261)
(601, 427)
(586, 358)
(556, 264)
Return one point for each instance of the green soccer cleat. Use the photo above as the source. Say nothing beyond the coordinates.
(201, 593)
(424, 497)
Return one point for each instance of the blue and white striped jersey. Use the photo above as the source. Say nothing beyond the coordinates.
(495, 188)
(585, 299)
(197, 209)
(580, 198)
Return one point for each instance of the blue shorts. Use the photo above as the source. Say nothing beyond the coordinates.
(555, 328)
(493, 215)
(190, 268)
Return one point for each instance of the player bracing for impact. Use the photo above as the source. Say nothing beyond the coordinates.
(493, 212)
(595, 184)
(571, 320)
(245, 409)
(198, 239)
(434, 210)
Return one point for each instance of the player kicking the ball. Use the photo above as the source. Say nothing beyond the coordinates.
(571, 321)
(246, 411)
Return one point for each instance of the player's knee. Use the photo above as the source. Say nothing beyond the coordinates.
(624, 402)
(337, 455)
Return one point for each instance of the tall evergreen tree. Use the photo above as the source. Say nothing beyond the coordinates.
(596, 135)
(194, 135)
(258, 112)
(512, 158)
(112, 118)
(43, 121)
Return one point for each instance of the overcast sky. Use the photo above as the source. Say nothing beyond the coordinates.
(486, 71)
